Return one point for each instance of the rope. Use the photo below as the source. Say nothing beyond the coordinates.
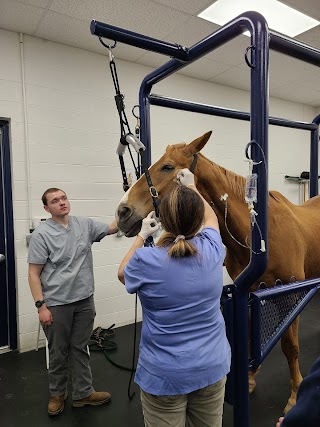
(100, 341)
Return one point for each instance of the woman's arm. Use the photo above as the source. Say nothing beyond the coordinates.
(138, 243)
(186, 177)
(148, 228)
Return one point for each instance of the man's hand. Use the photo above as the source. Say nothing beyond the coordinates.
(113, 227)
(149, 226)
(45, 315)
(279, 422)
(185, 177)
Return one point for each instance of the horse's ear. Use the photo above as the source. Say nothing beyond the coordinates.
(198, 144)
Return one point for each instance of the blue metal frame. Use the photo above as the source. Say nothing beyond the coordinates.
(258, 354)
(9, 250)
(261, 40)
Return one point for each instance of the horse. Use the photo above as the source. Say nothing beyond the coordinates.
(294, 249)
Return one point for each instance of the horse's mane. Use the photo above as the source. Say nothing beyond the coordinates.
(236, 182)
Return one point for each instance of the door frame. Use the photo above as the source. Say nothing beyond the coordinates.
(9, 234)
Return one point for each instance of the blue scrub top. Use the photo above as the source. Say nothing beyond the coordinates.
(183, 342)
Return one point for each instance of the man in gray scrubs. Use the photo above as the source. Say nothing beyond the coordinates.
(62, 285)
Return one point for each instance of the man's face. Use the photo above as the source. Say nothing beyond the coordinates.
(57, 204)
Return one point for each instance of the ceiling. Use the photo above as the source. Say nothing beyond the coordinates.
(173, 21)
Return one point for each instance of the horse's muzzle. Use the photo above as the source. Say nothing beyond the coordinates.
(128, 222)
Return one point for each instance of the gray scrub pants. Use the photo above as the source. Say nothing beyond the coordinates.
(68, 337)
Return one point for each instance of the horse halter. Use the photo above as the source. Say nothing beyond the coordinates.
(152, 189)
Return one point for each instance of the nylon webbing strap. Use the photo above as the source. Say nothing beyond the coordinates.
(194, 162)
(152, 189)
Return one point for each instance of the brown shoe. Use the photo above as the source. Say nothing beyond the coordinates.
(96, 398)
(56, 404)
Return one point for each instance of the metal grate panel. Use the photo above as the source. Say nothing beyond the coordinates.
(274, 313)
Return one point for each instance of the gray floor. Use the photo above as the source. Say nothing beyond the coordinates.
(24, 390)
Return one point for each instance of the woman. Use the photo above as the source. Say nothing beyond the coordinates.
(184, 353)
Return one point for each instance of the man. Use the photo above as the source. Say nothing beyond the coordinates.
(62, 285)
(307, 409)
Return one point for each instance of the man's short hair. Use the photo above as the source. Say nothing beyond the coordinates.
(50, 190)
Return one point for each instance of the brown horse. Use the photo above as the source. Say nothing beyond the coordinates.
(294, 248)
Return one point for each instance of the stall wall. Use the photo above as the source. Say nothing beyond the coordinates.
(64, 134)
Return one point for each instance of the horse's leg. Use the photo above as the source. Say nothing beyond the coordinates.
(290, 348)
(252, 381)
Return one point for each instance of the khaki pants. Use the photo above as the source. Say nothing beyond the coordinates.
(201, 408)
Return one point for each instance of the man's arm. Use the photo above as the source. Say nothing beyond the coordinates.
(34, 272)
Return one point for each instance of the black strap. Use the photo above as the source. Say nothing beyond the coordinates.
(152, 188)
(194, 162)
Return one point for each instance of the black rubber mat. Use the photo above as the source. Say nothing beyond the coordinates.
(24, 385)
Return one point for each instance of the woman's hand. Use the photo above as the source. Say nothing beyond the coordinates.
(185, 177)
(149, 226)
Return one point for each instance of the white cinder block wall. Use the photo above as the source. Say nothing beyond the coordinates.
(69, 140)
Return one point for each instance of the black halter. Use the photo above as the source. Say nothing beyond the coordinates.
(194, 162)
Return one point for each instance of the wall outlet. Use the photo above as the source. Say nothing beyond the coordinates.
(37, 219)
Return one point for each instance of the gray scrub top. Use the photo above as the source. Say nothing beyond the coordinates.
(67, 275)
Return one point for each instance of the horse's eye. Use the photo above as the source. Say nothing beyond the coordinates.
(167, 168)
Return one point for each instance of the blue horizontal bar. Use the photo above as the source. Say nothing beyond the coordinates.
(194, 107)
(139, 40)
(279, 290)
(294, 48)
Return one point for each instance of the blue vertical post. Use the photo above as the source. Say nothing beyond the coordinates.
(259, 153)
(145, 127)
(314, 156)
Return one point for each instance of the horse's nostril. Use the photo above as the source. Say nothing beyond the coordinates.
(124, 213)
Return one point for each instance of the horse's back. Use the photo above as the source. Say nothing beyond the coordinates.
(294, 232)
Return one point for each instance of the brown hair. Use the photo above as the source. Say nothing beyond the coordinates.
(50, 190)
(181, 213)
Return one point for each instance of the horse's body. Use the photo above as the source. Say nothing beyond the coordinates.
(294, 231)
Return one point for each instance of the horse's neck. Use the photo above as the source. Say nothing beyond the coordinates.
(215, 181)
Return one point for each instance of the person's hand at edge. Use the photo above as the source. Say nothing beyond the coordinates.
(149, 226)
(279, 422)
(185, 177)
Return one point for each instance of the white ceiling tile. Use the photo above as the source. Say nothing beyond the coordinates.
(19, 17)
(296, 93)
(142, 16)
(311, 37)
(285, 69)
(75, 32)
(238, 77)
(174, 21)
(309, 7)
(39, 3)
(189, 6)
(205, 68)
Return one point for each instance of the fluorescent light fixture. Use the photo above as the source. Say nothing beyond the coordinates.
(279, 17)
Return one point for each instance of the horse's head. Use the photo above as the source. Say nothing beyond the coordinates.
(137, 201)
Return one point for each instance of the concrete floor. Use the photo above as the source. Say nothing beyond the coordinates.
(24, 387)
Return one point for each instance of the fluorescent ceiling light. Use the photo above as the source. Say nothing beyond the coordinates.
(279, 17)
